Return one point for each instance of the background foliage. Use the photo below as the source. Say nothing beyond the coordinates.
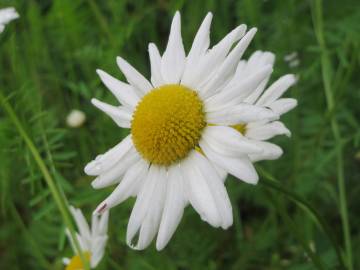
(48, 61)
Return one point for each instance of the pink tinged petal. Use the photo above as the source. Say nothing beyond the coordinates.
(270, 152)
(114, 175)
(242, 113)
(217, 189)
(199, 47)
(145, 204)
(212, 59)
(174, 207)
(229, 142)
(104, 162)
(283, 105)
(173, 60)
(237, 91)
(124, 93)
(227, 68)
(198, 192)
(132, 178)
(139, 82)
(276, 90)
(121, 115)
(155, 64)
(240, 167)
(266, 131)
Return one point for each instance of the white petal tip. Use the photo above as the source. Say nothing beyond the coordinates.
(92, 168)
(96, 183)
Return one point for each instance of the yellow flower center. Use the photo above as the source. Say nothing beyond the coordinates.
(76, 263)
(240, 127)
(167, 124)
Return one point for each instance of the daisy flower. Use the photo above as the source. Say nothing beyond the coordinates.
(6, 16)
(92, 239)
(201, 116)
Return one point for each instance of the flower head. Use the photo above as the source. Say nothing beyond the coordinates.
(6, 16)
(92, 239)
(75, 119)
(201, 116)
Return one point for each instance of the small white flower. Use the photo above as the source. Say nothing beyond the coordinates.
(6, 16)
(92, 239)
(201, 116)
(75, 118)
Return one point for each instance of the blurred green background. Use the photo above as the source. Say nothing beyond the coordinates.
(48, 61)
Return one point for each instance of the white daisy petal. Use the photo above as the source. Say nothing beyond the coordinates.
(270, 151)
(138, 81)
(124, 93)
(228, 66)
(173, 60)
(283, 105)
(220, 171)
(113, 175)
(217, 189)
(121, 115)
(198, 192)
(242, 113)
(240, 167)
(229, 142)
(213, 58)
(276, 90)
(152, 219)
(104, 162)
(155, 65)
(199, 47)
(143, 202)
(174, 207)
(81, 223)
(237, 91)
(266, 131)
(135, 175)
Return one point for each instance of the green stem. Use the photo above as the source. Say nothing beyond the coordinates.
(326, 76)
(269, 182)
(292, 226)
(59, 198)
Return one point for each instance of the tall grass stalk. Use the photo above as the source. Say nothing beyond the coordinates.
(58, 196)
(326, 76)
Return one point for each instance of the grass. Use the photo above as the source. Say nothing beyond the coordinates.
(302, 215)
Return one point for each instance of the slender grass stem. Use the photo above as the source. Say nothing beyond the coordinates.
(270, 182)
(292, 226)
(326, 76)
(59, 197)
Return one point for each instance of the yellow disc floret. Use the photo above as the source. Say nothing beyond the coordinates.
(167, 124)
(240, 127)
(76, 263)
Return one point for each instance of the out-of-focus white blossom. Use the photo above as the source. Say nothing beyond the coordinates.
(6, 16)
(75, 118)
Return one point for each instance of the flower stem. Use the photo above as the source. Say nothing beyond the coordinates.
(59, 197)
(326, 76)
(269, 182)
